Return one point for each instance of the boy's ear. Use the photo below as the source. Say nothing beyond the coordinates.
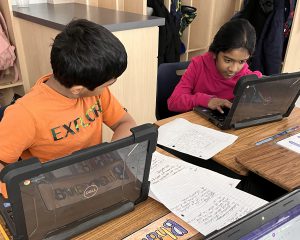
(75, 90)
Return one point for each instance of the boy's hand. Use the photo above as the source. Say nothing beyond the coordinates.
(122, 128)
(218, 104)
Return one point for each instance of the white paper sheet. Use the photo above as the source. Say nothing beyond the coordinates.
(163, 166)
(200, 197)
(291, 143)
(193, 139)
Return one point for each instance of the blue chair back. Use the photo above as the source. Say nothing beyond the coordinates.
(2, 111)
(167, 79)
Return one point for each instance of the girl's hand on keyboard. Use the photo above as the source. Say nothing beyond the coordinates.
(219, 104)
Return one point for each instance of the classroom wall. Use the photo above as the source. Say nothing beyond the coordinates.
(298, 103)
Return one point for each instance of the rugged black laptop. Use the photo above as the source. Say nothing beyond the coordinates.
(277, 220)
(64, 197)
(257, 101)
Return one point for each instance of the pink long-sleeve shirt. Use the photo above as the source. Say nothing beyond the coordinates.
(202, 81)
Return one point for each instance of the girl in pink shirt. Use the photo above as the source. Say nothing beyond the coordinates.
(210, 78)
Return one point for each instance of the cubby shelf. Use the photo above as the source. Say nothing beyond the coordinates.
(10, 85)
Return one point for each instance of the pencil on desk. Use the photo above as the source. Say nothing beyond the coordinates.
(289, 130)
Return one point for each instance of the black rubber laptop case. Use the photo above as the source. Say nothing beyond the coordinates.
(279, 219)
(257, 101)
(67, 196)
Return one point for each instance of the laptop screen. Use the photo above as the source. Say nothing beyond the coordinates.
(57, 198)
(285, 226)
(266, 98)
(61, 198)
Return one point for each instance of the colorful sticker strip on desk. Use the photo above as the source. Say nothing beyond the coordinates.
(166, 228)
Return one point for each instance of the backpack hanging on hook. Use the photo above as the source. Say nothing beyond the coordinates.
(7, 51)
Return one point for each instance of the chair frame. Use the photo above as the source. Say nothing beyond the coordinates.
(168, 77)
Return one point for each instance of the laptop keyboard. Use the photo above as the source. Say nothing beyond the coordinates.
(8, 209)
(220, 116)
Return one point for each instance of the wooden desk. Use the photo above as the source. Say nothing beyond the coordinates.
(247, 137)
(274, 163)
(144, 214)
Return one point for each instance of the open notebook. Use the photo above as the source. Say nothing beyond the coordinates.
(257, 101)
(277, 220)
(64, 197)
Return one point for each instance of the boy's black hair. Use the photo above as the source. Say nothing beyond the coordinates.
(237, 33)
(87, 54)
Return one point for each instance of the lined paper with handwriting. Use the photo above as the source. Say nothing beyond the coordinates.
(193, 139)
(202, 198)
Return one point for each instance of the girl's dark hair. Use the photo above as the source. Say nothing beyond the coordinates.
(87, 54)
(237, 33)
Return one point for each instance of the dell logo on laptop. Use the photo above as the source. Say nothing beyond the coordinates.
(90, 191)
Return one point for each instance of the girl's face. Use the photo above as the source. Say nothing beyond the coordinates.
(229, 63)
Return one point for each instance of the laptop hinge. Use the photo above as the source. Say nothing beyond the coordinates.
(254, 122)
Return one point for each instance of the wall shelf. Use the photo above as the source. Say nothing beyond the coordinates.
(4, 85)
